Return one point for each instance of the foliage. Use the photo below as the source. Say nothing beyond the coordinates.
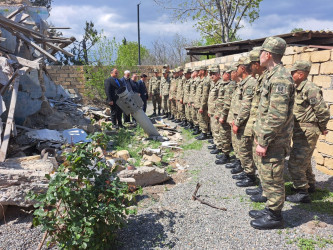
(296, 30)
(128, 54)
(85, 203)
(309, 244)
(219, 20)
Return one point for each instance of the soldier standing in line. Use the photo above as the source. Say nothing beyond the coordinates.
(272, 132)
(213, 105)
(165, 88)
(247, 86)
(179, 96)
(194, 78)
(186, 99)
(311, 116)
(224, 101)
(173, 95)
(198, 95)
(203, 105)
(154, 92)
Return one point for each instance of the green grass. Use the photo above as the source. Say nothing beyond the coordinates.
(313, 243)
(196, 145)
(187, 134)
(258, 205)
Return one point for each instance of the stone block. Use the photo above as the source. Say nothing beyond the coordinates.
(63, 75)
(329, 137)
(331, 109)
(288, 60)
(66, 83)
(326, 68)
(305, 57)
(124, 154)
(325, 170)
(330, 125)
(321, 56)
(325, 148)
(318, 157)
(329, 163)
(328, 95)
(315, 69)
(322, 81)
(290, 50)
(299, 49)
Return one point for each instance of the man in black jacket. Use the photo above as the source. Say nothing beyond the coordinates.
(142, 89)
(111, 85)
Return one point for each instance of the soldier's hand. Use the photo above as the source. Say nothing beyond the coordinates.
(200, 111)
(192, 104)
(208, 115)
(261, 151)
(221, 120)
(234, 128)
(325, 132)
(181, 101)
(111, 103)
(160, 96)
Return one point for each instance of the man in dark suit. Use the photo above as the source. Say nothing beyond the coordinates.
(142, 89)
(111, 85)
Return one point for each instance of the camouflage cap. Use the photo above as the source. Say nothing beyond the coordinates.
(254, 54)
(164, 71)
(203, 67)
(275, 45)
(180, 68)
(165, 66)
(214, 69)
(155, 71)
(301, 65)
(233, 67)
(243, 61)
(187, 70)
(196, 69)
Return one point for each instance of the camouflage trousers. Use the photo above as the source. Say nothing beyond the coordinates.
(224, 138)
(187, 112)
(195, 117)
(255, 159)
(270, 169)
(204, 121)
(214, 127)
(173, 107)
(234, 142)
(165, 103)
(245, 151)
(180, 111)
(156, 99)
(299, 165)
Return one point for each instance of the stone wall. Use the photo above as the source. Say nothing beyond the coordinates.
(73, 78)
(321, 74)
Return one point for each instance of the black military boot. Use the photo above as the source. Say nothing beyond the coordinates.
(177, 121)
(223, 159)
(249, 181)
(233, 164)
(216, 151)
(213, 146)
(154, 113)
(270, 220)
(302, 196)
(173, 118)
(211, 141)
(257, 213)
(202, 136)
(210, 135)
(159, 112)
(254, 191)
(191, 125)
(166, 115)
(196, 130)
(169, 116)
(258, 198)
(240, 176)
(236, 170)
(312, 188)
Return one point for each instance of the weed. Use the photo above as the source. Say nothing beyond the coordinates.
(258, 205)
(196, 145)
(322, 202)
(309, 244)
(279, 232)
(170, 170)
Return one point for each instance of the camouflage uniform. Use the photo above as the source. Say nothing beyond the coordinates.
(172, 96)
(194, 85)
(311, 116)
(273, 126)
(203, 117)
(154, 91)
(165, 88)
(186, 99)
(197, 99)
(180, 96)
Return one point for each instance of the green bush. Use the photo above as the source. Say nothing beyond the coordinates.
(85, 203)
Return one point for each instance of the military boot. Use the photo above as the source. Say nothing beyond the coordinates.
(211, 141)
(177, 121)
(202, 136)
(238, 169)
(196, 130)
(169, 116)
(240, 176)
(191, 125)
(185, 124)
(254, 191)
(270, 220)
(258, 198)
(154, 113)
(248, 181)
(233, 164)
(216, 151)
(257, 213)
(213, 146)
(302, 196)
(222, 160)
(312, 188)
(166, 115)
(173, 118)
(159, 112)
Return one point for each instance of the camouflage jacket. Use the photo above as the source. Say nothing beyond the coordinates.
(198, 93)
(194, 84)
(249, 84)
(173, 88)
(220, 98)
(275, 111)
(180, 90)
(187, 91)
(213, 95)
(310, 106)
(165, 86)
(229, 91)
(154, 85)
(205, 92)
(254, 106)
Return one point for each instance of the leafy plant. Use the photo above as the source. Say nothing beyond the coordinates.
(85, 203)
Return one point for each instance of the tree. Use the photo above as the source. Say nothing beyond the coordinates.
(128, 54)
(215, 19)
(296, 30)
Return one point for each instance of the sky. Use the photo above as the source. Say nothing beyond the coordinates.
(118, 18)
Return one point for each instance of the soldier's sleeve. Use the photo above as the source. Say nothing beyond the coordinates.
(219, 102)
(227, 101)
(281, 93)
(321, 111)
(205, 95)
(244, 112)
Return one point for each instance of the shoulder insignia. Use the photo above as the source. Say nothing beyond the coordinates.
(313, 100)
(281, 89)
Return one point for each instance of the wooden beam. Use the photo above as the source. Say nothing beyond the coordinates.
(7, 23)
(53, 46)
(15, 12)
(25, 62)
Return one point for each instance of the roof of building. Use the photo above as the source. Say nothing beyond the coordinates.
(317, 39)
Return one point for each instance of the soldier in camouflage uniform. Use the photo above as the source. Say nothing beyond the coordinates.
(173, 95)
(165, 88)
(245, 95)
(205, 83)
(194, 77)
(216, 82)
(154, 91)
(186, 99)
(180, 96)
(198, 96)
(222, 113)
(311, 116)
(272, 132)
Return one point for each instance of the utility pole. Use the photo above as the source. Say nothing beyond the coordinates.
(138, 7)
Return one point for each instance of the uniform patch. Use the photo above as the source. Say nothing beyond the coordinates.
(249, 91)
(281, 89)
(313, 100)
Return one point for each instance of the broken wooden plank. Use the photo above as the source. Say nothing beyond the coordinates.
(9, 24)
(25, 62)
(51, 45)
(23, 18)
(15, 12)
(10, 118)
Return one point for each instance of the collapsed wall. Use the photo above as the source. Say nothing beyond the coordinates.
(321, 74)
